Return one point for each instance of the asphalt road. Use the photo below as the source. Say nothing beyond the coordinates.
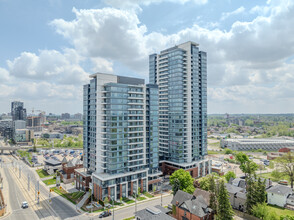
(60, 207)
(15, 199)
(129, 211)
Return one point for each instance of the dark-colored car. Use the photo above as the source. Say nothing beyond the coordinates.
(105, 214)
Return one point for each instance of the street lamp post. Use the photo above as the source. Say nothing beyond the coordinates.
(161, 191)
(113, 208)
(136, 198)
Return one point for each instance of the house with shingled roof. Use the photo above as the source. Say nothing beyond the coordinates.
(67, 172)
(190, 207)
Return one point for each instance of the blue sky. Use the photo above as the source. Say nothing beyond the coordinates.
(48, 48)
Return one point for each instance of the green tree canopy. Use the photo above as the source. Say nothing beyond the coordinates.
(224, 210)
(230, 175)
(286, 165)
(182, 180)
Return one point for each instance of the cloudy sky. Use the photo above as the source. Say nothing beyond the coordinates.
(49, 48)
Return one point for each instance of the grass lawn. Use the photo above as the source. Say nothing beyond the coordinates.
(72, 197)
(42, 173)
(128, 201)
(23, 153)
(130, 218)
(147, 194)
(215, 152)
(281, 211)
(269, 175)
(141, 198)
(50, 182)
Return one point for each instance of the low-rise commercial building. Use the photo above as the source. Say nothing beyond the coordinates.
(23, 135)
(256, 144)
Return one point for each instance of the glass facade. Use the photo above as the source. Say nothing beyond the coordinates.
(89, 125)
(181, 75)
(152, 128)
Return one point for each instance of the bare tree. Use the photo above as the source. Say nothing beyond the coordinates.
(286, 165)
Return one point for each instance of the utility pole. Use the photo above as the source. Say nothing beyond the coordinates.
(19, 172)
(38, 192)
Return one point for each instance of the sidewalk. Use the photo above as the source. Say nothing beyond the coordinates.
(82, 202)
(5, 192)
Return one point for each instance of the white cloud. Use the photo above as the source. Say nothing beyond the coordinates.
(135, 4)
(248, 65)
(101, 65)
(225, 15)
(53, 65)
(4, 75)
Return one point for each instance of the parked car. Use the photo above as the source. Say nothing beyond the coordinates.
(283, 182)
(105, 214)
(25, 205)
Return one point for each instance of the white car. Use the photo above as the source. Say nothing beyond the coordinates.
(25, 205)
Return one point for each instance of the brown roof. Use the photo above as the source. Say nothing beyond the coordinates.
(203, 193)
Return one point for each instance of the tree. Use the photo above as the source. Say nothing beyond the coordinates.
(213, 194)
(34, 145)
(286, 165)
(260, 210)
(228, 151)
(106, 200)
(230, 175)
(251, 199)
(224, 208)
(185, 181)
(286, 217)
(176, 186)
(247, 166)
(260, 191)
(204, 183)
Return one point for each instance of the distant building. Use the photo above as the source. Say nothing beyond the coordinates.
(287, 149)
(19, 124)
(65, 116)
(6, 128)
(34, 123)
(255, 144)
(23, 135)
(18, 112)
(78, 116)
(53, 135)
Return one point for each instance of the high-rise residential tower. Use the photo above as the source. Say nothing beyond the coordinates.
(18, 112)
(181, 75)
(120, 135)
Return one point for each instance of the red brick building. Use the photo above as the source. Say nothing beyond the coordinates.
(68, 169)
(287, 149)
(190, 207)
(83, 180)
